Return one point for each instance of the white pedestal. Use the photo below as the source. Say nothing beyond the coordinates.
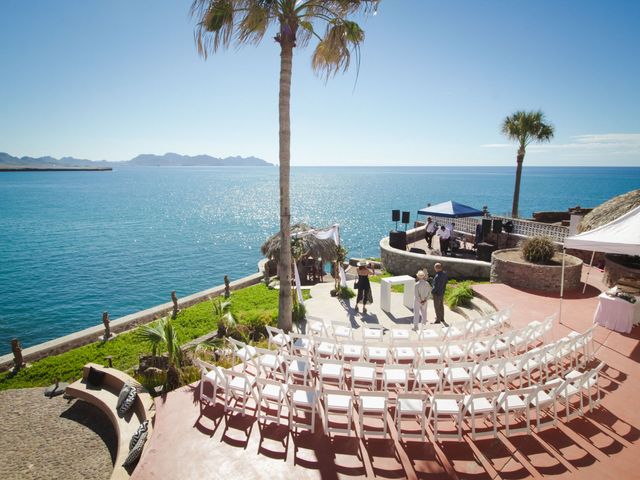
(385, 291)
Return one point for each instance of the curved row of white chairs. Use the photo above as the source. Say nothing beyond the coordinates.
(343, 330)
(410, 367)
(271, 397)
(506, 344)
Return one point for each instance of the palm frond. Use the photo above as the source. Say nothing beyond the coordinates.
(525, 127)
(333, 52)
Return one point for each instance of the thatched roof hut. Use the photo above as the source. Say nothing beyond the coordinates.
(610, 210)
(310, 246)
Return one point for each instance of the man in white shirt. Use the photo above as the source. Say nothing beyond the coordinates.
(430, 231)
(421, 295)
(444, 236)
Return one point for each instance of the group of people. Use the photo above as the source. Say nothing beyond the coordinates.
(445, 234)
(423, 291)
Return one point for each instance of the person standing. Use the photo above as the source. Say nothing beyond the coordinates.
(439, 286)
(430, 231)
(364, 286)
(421, 295)
(443, 238)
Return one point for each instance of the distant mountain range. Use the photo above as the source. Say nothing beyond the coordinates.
(146, 160)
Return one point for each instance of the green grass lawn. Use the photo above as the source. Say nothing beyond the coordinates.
(247, 305)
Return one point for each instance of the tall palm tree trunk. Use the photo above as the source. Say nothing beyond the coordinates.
(284, 265)
(516, 191)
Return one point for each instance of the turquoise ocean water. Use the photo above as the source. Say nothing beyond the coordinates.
(74, 244)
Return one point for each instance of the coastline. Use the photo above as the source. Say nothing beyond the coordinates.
(56, 169)
(119, 325)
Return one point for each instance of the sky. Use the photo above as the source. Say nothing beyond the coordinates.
(113, 79)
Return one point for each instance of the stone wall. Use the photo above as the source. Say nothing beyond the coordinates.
(613, 270)
(399, 262)
(535, 277)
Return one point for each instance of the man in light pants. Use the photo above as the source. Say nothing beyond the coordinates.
(421, 295)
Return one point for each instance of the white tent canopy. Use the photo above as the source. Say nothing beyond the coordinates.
(622, 235)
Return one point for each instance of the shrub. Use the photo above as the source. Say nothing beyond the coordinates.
(345, 293)
(538, 249)
(460, 294)
(298, 312)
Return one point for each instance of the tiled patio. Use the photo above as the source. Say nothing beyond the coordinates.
(190, 443)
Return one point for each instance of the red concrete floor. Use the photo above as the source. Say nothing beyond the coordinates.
(188, 443)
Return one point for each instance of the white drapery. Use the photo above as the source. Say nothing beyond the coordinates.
(332, 232)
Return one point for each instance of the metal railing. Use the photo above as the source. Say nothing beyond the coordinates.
(526, 228)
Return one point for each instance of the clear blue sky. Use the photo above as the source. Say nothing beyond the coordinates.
(111, 79)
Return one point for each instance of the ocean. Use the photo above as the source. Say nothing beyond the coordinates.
(75, 244)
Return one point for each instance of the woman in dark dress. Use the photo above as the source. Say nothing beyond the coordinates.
(364, 286)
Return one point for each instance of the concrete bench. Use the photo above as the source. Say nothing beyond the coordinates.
(106, 398)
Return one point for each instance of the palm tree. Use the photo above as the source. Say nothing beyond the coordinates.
(162, 334)
(221, 23)
(524, 128)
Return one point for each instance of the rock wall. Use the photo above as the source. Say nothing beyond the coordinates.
(614, 270)
(535, 277)
(399, 262)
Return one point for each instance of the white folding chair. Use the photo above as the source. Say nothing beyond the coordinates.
(480, 406)
(241, 351)
(277, 338)
(400, 333)
(342, 330)
(429, 377)
(376, 352)
(301, 345)
(486, 374)
(411, 406)
(499, 344)
(454, 351)
(432, 353)
(363, 374)
(269, 362)
(238, 391)
(372, 332)
(303, 401)
(325, 348)
(478, 349)
(514, 403)
(429, 332)
(272, 396)
(373, 405)
(459, 375)
(509, 370)
(298, 369)
(452, 332)
(212, 375)
(589, 381)
(351, 350)
(337, 403)
(395, 376)
(316, 326)
(330, 371)
(404, 351)
(445, 407)
(545, 398)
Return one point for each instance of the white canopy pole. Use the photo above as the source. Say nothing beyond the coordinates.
(584, 288)
(561, 287)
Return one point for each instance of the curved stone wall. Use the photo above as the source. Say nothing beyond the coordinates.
(400, 262)
(535, 277)
(614, 270)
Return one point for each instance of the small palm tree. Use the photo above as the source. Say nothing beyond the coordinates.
(223, 22)
(524, 128)
(162, 334)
